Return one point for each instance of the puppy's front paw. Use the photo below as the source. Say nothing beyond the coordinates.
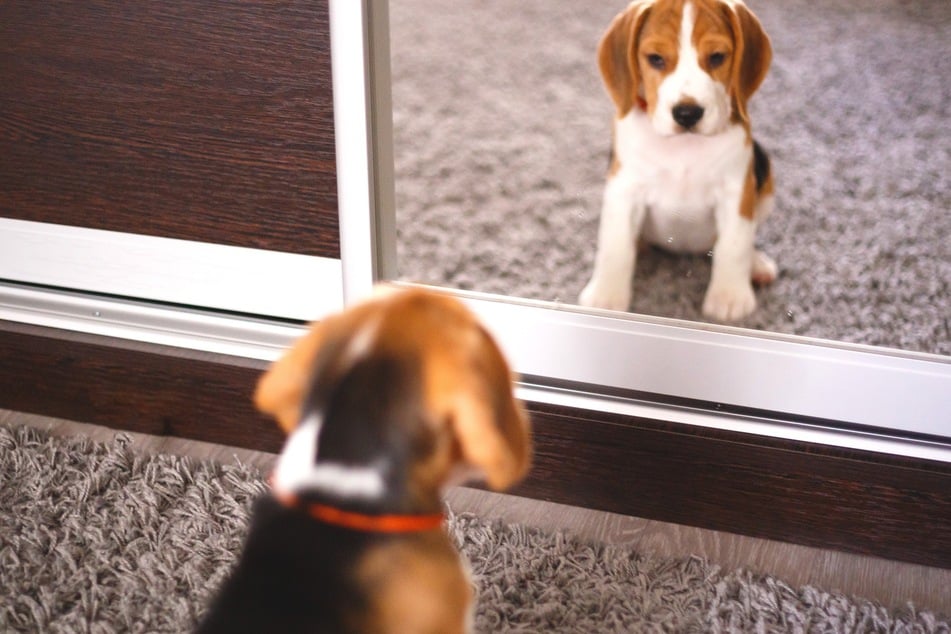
(607, 296)
(729, 302)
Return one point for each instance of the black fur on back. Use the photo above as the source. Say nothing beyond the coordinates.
(373, 416)
(293, 576)
(761, 165)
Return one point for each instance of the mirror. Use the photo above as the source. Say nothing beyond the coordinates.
(502, 136)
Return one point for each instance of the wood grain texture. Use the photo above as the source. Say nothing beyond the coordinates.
(827, 497)
(132, 386)
(846, 500)
(208, 121)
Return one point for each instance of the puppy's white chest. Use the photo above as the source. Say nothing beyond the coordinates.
(680, 213)
(679, 180)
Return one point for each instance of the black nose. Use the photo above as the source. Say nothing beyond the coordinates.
(687, 114)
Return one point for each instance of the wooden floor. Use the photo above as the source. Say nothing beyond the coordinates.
(893, 584)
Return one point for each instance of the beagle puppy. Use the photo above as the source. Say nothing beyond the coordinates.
(685, 174)
(384, 405)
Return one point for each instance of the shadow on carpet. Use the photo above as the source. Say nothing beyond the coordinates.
(98, 537)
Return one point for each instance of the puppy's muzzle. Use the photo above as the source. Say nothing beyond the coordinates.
(687, 115)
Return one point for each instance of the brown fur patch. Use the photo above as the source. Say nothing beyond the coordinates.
(752, 58)
(749, 202)
(280, 391)
(468, 386)
(713, 34)
(617, 56)
(418, 587)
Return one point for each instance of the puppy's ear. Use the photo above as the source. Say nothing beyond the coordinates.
(752, 53)
(617, 55)
(489, 424)
(281, 390)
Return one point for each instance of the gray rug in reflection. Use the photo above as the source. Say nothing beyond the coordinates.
(502, 134)
(100, 538)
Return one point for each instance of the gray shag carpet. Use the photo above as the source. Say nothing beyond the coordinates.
(502, 135)
(98, 537)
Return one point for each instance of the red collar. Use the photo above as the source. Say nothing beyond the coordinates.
(360, 521)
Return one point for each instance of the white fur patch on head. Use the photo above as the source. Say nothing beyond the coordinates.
(344, 480)
(298, 456)
(689, 83)
(298, 470)
(361, 343)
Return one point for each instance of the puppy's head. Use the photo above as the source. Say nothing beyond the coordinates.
(399, 395)
(691, 65)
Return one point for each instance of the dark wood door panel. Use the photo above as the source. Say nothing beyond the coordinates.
(208, 121)
(133, 386)
(827, 497)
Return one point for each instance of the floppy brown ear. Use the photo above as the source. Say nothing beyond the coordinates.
(490, 427)
(753, 54)
(280, 391)
(617, 56)
(494, 437)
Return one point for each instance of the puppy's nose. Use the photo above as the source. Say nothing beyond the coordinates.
(687, 114)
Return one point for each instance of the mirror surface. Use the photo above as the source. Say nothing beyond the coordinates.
(502, 140)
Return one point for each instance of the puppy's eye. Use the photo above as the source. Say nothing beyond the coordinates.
(655, 61)
(716, 60)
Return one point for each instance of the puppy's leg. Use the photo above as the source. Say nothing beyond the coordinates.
(765, 269)
(730, 294)
(621, 219)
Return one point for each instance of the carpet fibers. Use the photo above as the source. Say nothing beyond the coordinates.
(502, 131)
(98, 537)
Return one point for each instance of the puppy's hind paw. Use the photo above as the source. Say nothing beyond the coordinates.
(764, 269)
